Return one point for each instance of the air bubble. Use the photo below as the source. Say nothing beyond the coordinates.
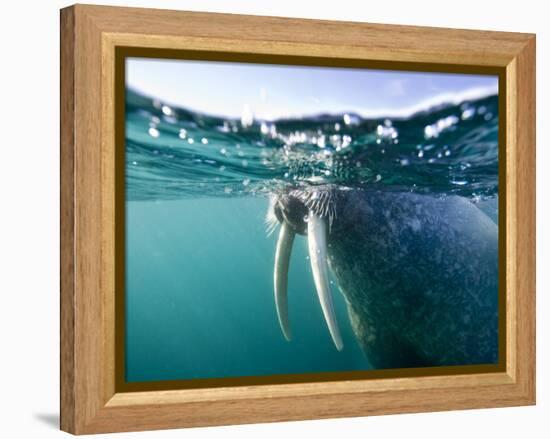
(153, 132)
(459, 182)
(468, 113)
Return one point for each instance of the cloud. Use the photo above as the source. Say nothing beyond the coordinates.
(396, 88)
(452, 98)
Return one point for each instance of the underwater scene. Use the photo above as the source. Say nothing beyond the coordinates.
(298, 220)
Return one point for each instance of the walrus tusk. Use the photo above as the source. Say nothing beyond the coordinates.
(280, 276)
(317, 244)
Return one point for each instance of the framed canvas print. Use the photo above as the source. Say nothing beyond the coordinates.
(269, 219)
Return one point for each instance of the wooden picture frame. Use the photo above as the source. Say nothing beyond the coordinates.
(91, 399)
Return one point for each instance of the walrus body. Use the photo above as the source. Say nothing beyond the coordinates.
(419, 272)
(420, 277)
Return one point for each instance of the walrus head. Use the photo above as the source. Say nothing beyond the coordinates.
(308, 212)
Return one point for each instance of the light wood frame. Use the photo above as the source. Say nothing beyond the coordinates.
(89, 38)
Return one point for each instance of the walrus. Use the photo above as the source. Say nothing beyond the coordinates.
(419, 273)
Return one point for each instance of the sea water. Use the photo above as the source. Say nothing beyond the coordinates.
(199, 260)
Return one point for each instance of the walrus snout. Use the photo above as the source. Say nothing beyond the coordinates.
(290, 210)
(306, 213)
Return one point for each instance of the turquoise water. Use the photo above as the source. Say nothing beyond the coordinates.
(200, 301)
(199, 267)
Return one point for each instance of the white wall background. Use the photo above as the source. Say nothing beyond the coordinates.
(29, 236)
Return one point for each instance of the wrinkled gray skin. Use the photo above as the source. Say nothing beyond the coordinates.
(419, 274)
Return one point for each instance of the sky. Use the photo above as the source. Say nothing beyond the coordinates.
(270, 92)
